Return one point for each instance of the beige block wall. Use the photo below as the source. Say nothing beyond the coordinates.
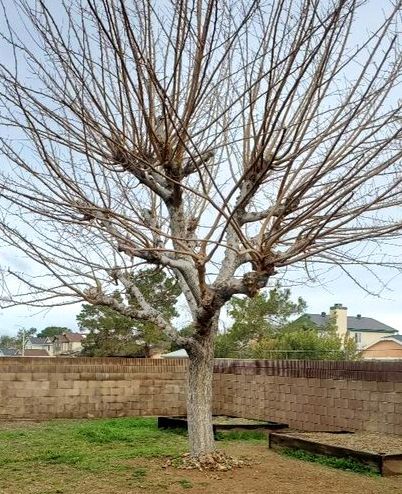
(307, 395)
(313, 396)
(43, 388)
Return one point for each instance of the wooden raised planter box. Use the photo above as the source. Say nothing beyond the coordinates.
(181, 423)
(385, 464)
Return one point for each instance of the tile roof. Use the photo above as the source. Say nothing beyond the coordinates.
(364, 324)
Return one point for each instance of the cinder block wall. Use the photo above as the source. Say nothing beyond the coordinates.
(42, 388)
(325, 396)
(307, 395)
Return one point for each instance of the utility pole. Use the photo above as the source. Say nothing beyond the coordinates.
(23, 342)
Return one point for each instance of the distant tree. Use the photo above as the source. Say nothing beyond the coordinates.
(257, 318)
(305, 344)
(50, 331)
(111, 333)
(7, 342)
(185, 332)
(263, 329)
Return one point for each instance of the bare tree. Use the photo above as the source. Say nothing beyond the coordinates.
(219, 140)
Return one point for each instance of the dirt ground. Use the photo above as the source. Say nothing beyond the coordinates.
(271, 473)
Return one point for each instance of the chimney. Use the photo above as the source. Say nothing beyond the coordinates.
(340, 314)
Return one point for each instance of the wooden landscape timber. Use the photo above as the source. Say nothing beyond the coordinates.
(384, 464)
(232, 424)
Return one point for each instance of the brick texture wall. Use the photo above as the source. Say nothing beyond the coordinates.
(315, 396)
(307, 395)
(42, 388)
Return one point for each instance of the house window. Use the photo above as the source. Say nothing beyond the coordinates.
(358, 338)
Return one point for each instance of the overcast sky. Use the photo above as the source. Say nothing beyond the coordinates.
(334, 287)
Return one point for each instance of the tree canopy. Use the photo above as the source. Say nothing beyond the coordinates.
(50, 331)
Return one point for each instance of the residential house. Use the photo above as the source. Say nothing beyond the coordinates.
(67, 344)
(364, 330)
(37, 343)
(387, 348)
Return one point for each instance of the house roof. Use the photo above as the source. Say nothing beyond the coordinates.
(35, 352)
(355, 323)
(74, 337)
(176, 354)
(397, 337)
(69, 337)
(35, 340)
(8, 352)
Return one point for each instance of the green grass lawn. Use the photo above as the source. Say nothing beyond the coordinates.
(92, 446)
(105, 455)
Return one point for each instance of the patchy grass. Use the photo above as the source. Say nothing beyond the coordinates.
(139, 473)
(348, 464)
(83, 449)
(96, 445)
(186, 484)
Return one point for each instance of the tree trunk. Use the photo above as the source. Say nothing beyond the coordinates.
(199, 398)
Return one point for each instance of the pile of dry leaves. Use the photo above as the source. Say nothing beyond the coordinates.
(215, 461)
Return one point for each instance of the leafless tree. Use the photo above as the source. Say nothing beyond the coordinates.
(220, 140)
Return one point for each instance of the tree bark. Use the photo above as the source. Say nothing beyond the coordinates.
(199, 398)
